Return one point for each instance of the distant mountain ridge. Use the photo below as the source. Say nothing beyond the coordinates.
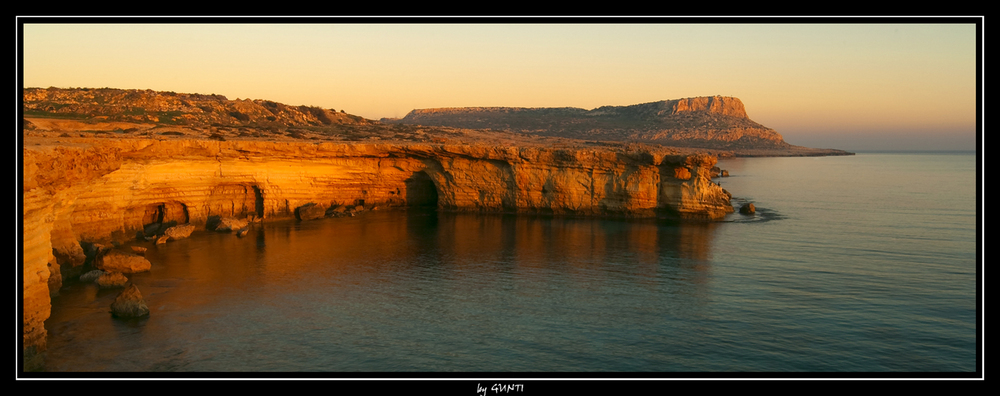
(719, 122)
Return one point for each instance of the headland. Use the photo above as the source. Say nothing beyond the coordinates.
(104, 166)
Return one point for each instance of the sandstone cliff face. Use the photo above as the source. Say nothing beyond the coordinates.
(95, 190)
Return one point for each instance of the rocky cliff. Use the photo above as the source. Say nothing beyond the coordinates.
(133, 105)
(80, 190)
(714, 122)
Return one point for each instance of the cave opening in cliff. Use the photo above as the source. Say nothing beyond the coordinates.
(160, 213)
(258, 201)
(421, 191)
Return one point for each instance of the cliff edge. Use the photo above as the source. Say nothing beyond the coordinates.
(78, 191)
(711, 122)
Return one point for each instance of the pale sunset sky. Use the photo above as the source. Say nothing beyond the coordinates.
(856, 85)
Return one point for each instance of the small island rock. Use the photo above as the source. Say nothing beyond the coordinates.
(129, 304)
(119, 261)
(748, 209)
(179, 231)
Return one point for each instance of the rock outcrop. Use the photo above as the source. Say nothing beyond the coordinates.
(714, 122)
(134, 105)
(92, 190)
(202, 160)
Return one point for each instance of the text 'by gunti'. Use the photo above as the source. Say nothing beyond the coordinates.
(499, 388)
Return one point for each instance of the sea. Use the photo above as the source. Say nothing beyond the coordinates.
(851, 266)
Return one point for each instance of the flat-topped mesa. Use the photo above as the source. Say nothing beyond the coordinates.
(724, 105)
(713, 122)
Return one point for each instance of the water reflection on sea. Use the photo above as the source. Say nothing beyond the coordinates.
(884, 284)
(392, 290)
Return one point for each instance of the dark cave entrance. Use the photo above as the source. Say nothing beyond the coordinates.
(421, 191)
(156, 217)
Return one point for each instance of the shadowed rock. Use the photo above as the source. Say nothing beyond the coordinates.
(91, 276)
(129, 304)
(748, 209)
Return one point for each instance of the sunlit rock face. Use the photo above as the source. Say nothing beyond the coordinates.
(716, 122)
(99, 190)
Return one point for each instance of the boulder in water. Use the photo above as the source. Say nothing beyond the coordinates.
(91, 276)
(119, 261)
(129, 304)
(748, 209)
(179, 231)
(110, 280)
(230, 224)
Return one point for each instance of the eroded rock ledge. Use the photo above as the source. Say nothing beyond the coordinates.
(95, 190)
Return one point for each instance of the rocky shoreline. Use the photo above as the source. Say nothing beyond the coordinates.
(84, 191)
(104, 166)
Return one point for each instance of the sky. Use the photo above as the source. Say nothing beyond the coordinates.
(856, 85)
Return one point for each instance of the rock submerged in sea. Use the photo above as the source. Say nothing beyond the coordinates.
(129, 304)
(748, 209)
(91, 276)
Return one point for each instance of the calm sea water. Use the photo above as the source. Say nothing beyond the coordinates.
(864, 263)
